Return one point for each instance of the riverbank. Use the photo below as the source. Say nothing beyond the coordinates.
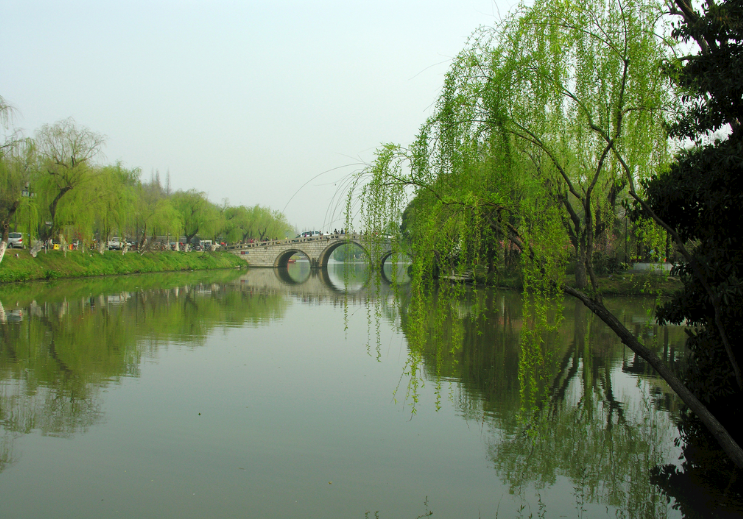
(636, 284)
(621, 284)
(77, 264)
(18, 265)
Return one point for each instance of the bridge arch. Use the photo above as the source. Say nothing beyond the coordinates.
(282, 259)
(387, 255)
(324, 257)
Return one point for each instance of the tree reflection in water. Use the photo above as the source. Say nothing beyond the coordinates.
(63, 342)
(600, 424)
(69, 340)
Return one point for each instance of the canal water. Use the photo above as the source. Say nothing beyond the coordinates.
(299, 393)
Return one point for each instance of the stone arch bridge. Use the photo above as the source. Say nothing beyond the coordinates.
(318, 249)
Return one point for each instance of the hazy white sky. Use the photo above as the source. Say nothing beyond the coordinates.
(243, 100)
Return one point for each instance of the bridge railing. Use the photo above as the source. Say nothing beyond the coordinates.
(327, 237)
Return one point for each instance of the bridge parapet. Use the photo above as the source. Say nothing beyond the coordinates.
(269, 243)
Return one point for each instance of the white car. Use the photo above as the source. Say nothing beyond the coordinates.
(115, 243)
(15, 240)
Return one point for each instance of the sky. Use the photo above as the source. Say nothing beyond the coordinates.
(269, 103)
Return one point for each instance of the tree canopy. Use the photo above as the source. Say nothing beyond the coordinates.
(67, 151)
(700, 196)
(52, 186)
(546, 122)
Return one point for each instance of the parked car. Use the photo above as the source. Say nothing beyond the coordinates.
(115, 243)
(15, 240)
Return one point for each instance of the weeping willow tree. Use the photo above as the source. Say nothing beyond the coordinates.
(67, 152)
(18, 169)
(11, 178)
(114, 201)
(545, 123)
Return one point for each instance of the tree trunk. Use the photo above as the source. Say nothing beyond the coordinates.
(5, 228)
(581, 277)
(53, 208)
(726, 442)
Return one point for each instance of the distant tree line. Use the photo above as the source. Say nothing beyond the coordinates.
(52, 188)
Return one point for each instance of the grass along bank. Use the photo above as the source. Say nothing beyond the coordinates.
(19, 265)
(618, 284)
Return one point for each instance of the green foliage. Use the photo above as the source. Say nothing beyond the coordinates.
(155, 212)
(268, 224)
(710, 79)
(66, 151)
(258, 223)
(236, 222)
(194, 211)
(543, 122)
(69, 197)
(17, 166)
(700, 197)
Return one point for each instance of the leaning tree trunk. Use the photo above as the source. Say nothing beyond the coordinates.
(723, 437)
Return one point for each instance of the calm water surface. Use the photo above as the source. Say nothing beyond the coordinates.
(277, 394)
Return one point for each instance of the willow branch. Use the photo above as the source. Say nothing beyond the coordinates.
(531, 137)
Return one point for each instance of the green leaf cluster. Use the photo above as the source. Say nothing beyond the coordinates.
(700, 197)
(544, 123)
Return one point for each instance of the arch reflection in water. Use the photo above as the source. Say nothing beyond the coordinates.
(396, 268)
(344, 265)
(321, 285)
(295, 268)
(338, 276)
